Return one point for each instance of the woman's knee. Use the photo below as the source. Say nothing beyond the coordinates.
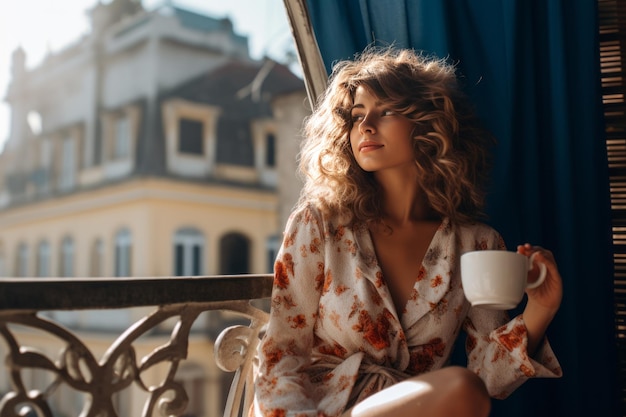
(466, 392)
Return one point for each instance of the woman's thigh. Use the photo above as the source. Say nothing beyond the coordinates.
(451, 391)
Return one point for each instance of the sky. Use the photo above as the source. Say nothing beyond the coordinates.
(46, 26)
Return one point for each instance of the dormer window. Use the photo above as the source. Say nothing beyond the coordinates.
(121, 149)
(67, 178)
(191, 137)
(264, 132)
(119, 133)
(270, 150)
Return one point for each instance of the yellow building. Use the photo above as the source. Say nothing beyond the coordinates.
(155, 146)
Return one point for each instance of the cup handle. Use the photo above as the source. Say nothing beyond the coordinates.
(542, 272)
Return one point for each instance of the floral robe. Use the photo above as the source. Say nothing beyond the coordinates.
(334, 335)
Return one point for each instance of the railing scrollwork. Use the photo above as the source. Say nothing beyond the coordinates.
(99, 380)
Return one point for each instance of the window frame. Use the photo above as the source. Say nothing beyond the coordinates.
(189, 239)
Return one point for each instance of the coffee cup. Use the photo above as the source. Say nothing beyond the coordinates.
(497, 279)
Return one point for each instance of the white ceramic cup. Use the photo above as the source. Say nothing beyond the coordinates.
(497, 279)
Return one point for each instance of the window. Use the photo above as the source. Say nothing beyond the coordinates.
(43, 259)
(188, 252)
(21, 267)
(97, 259)
(234, 142)
(121, 148)
(123, 253)
(189, 130)
(67, 177)
(66, 264)
(234, 254)
(191, 136)
(270, 150)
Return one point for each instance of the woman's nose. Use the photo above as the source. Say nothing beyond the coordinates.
(367, 125)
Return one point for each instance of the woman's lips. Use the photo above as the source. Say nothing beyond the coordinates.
(369, 146)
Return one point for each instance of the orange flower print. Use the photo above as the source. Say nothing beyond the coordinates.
(435, 282)
(338, 233)
(272, 355)
(290, 239)
(319, 278)
(314, 247)
(376, 298)
(276, 412)
(335, 350)
(422, 358)
(327, 282)
(358, 273)
(440, 308)
(297, 322)
(356, 306)
(281, 279)
(414, 294)
(529, 372)
(280, 302)
(335, 318)
(379, 279)
(481, 244)
(421, 273)
(498, 354)
(514, 338)
(288, 302)
(303, 252)
(307, 216)
(351, 246)
(340, 289)
(470, 343)
(376, 333)
(458, 310)
(432, 255)
(345, 382)
(500, 243)
(288, 261)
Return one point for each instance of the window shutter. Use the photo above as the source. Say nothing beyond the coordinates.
(612, 26)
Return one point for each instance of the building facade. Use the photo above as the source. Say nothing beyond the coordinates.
(154, 146)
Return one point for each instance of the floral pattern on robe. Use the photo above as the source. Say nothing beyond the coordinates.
(334, 335)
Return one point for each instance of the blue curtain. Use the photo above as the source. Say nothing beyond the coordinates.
(532, 69)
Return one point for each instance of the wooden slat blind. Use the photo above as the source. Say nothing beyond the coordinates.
(612, 26)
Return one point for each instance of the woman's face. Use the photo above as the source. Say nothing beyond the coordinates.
(380, 139)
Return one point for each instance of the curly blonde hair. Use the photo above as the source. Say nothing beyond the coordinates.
(450, 147)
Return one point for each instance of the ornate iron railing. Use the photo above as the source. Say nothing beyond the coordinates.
(181, 299)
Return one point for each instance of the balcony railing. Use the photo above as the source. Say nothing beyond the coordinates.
(179, 299)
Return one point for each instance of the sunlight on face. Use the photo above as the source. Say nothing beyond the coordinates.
(391, 398)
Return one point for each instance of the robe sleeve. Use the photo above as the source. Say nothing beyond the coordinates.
(282, 388)
(497, 346)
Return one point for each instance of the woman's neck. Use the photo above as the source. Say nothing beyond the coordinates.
(404, 200)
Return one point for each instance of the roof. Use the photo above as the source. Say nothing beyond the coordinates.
(223, 87)
(230, 87)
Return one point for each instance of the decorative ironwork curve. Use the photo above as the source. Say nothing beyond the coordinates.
(119, 367)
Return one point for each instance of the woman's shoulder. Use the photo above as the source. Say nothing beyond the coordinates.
(307, 211)
(476, 227)
(478, 235)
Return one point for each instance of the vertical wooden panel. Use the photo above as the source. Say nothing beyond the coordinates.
(612, 25)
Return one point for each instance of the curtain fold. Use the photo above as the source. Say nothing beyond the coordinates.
(532, 69)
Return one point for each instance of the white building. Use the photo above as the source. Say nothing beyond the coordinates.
(154, 146)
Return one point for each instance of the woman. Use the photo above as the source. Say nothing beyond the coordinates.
(367, 299)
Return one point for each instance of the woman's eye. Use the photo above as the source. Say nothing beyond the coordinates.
(388, 113)
(357, 117)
